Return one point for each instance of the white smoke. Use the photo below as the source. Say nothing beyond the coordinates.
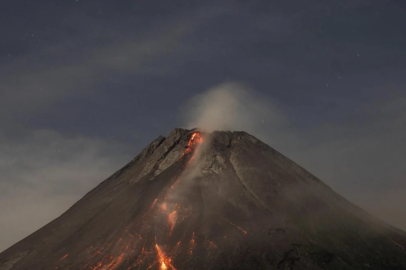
(235, 107)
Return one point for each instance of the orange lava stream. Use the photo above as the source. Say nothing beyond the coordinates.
(196, 138)
(164, 261)
(153, 204)
(63, 258)
(129, 245)
(172, 221)
(150, 208)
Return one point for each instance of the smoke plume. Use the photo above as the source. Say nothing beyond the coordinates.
(232, 106)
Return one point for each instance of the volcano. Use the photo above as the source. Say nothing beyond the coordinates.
(220, 200)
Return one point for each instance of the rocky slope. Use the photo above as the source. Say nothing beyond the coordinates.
(223, 200)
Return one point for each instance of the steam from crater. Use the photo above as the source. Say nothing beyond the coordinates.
(232, 106)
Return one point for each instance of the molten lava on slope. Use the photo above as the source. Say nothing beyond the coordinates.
(179, 205)
(127, 247)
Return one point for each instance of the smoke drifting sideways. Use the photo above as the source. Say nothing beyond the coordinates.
(232, 106)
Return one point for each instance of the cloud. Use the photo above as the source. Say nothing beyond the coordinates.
(39, 87)
(79, 65)
(43, 173)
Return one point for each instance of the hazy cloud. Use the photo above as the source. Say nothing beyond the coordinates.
(39, 86)
(44, 173)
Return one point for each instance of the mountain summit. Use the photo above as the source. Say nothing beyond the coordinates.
(221, 200)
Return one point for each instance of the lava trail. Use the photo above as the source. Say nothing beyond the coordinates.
(138, 249)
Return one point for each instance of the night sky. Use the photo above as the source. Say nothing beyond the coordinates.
(85, 85)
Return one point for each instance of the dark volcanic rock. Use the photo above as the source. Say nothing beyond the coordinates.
(223, 200)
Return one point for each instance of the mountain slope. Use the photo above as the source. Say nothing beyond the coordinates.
(223, 200)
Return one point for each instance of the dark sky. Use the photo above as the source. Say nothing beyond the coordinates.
(85, 85)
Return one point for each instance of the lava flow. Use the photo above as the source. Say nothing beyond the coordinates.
(63, 258)
(129, 245)
(196, 138)
(164, 261)
(172, 221)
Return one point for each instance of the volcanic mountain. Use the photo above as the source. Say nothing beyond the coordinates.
(221, 200)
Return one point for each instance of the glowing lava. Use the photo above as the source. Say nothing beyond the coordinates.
(192, 244)
(196, 138)
(118, 254)
(63, 258)
(172, 220)
(163, 207)
(164, 261)
(151, 207)
(153, 203)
